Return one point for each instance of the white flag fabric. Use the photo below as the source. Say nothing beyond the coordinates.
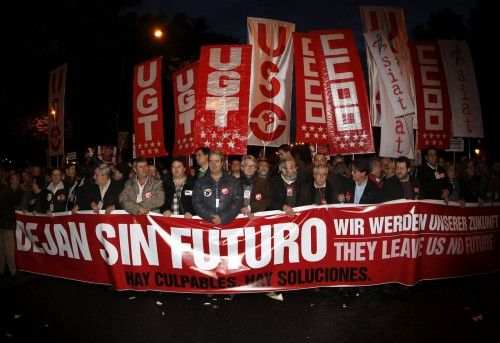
(271, 81)
(462, 87)
(396, 133)
(390, 75)
(390, 21)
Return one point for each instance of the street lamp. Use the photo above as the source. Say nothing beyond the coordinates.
(158, 33)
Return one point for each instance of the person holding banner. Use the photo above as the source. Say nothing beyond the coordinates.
(178, 189)
(256, 193)
(432, 179)
(106, 192)
(285, 187)
(7, 228)
(362, 191)
(217, 196)
(142, 194)
(401, 185)
(317, 191)
(40, 203)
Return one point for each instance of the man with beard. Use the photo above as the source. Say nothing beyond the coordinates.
(285, 187)
(256, 193)
(400, 186)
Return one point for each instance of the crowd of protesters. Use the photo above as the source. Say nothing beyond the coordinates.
(218, 189)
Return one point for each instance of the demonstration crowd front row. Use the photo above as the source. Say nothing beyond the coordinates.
(218, 195)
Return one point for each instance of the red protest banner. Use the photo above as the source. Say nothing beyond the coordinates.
(185, 109)
(344, 91)
(222, 98)
(148, 109)
(335, 245)
(311, 118)
(432, 99)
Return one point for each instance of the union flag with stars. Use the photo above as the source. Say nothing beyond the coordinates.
(223, 91)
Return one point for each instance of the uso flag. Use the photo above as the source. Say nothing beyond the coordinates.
(185, 108)
(148, 109)
(271, 85)
(222, 98)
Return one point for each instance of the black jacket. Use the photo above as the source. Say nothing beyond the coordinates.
(371, 195)
(279, 192)
(186, 203)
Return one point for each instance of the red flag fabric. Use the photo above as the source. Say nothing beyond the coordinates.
(431, 90)
(329, 245)
(310, 115)
(148, 109)
(343, 85)
(223, 91)
(185, 109)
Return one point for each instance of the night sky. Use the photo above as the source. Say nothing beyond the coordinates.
(37, 36)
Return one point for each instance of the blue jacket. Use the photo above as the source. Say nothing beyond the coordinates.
(227, 190)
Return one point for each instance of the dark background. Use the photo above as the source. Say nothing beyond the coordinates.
(102, 40)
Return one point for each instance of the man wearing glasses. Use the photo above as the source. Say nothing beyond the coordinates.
(256, 193)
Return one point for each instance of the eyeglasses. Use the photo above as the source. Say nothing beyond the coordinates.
(215, 161)
(249, 166)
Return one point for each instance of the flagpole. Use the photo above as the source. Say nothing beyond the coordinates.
(468, 143)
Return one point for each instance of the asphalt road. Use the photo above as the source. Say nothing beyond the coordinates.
(34, 307)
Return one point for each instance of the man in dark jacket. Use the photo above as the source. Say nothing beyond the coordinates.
(256, 192)
(7, 228)
(317, 191)
(40, 203)
(401, 185)
(217, 197)
(105, 191)
(285, 187)
(432, 179)
(362, 191)
(178, 190)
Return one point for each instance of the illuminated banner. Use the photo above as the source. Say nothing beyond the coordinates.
(57, 84)
(390, 21)
(185, 109)
(344, 91)
(222, 98)
(148, 109)
(311, 118)
(462, 86)
(396, 127)
(321, 246)
(271, 85)
(433, 104)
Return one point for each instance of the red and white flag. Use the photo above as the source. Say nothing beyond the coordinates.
(57, 83)
(222, 94)
(310, 112)
(185, 108)
(462, 86)
(390, 21)
(433, 105)
(271, 85)
(148, 109)
(346, 101)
